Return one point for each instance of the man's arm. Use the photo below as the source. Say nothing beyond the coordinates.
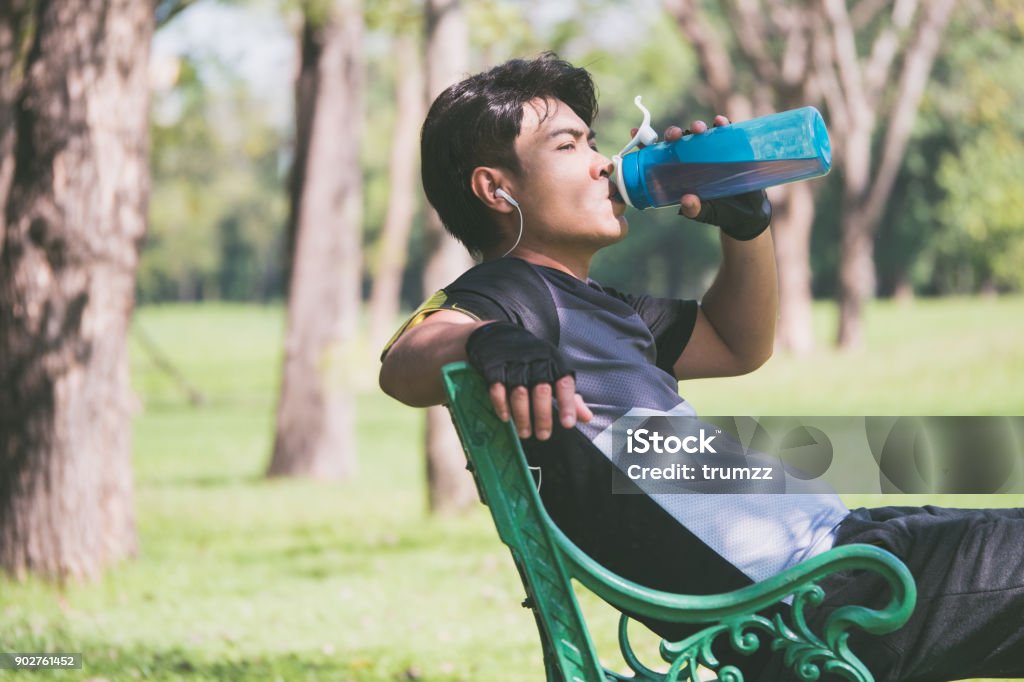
(411, 373)
(735, 328)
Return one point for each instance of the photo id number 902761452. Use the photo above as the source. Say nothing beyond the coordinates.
(40, 661)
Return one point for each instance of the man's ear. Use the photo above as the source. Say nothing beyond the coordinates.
(485, 183)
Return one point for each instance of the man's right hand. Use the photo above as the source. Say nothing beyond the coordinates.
(523, 373)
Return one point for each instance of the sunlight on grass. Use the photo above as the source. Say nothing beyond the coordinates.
(929, 357)
(239, 577)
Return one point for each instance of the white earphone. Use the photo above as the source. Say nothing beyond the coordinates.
(506, 196)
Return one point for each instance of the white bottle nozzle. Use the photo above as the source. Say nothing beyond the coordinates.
(620, 182)
(645, 134)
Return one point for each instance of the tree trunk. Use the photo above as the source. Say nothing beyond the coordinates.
(307, 83)
(402, 182)
(14, 36)
(856, 263)
(315, 424)
(74, 215)
(450, 487)
(856, 276)
(791, 229)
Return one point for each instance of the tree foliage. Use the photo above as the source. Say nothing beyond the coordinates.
(982, 177)
(951, 216)
(218, 208)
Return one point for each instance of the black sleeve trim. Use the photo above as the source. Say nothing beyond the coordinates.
(673, 339)
(508, 289)
(670, 320)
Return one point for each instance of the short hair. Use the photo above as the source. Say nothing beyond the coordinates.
(476, 122)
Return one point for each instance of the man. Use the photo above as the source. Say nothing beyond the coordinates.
(509, 162)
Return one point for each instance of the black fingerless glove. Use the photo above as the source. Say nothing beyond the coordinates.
(505, 353)
(742, 217)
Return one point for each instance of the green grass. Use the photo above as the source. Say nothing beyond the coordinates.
(934, 357)
(238, 577)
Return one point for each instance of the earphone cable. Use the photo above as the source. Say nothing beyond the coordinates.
(520, 237)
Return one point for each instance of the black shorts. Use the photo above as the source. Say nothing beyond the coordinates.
(969, 568)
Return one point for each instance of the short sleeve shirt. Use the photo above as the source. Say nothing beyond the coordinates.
(621, 346)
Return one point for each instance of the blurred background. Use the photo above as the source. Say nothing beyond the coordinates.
(212, 221)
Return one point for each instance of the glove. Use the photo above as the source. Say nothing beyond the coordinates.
(505, 353)
(742, 217)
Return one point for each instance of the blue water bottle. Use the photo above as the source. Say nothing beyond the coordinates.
(741, 157)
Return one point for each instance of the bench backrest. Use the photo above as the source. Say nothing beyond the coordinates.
(506, 485)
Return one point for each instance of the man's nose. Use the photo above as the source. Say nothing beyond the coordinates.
(603, 167)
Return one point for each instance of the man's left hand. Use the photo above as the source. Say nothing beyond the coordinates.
(742, 217)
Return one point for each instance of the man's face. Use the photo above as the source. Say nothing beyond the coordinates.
(564, 189)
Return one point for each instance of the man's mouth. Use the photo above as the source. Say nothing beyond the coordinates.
(614, 195)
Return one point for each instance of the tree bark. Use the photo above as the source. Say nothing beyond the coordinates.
(307, 83)
(315, 415)
(450, 486)
(73, 218)
(402, 182)
(856, 276)
(14, 38)
(792, 221)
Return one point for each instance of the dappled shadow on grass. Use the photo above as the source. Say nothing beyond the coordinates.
(262, 539)
(334, 553)
(207, 481)
(324, 560)
(388, 544)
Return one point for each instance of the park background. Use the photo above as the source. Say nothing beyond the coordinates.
(362, 567)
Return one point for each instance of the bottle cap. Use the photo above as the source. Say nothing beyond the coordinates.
(645, 135)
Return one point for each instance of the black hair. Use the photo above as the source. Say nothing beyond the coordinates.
(476, 122)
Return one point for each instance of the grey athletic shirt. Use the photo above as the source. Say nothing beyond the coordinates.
(622, 348)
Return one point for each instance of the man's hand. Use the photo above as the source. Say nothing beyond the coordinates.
(521, 370)
(742, 217)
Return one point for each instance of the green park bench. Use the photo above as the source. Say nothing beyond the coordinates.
(547, 560)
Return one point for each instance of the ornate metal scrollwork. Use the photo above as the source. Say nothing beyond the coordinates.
(803, 651)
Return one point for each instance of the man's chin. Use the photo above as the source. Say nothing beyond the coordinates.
(623, 229)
